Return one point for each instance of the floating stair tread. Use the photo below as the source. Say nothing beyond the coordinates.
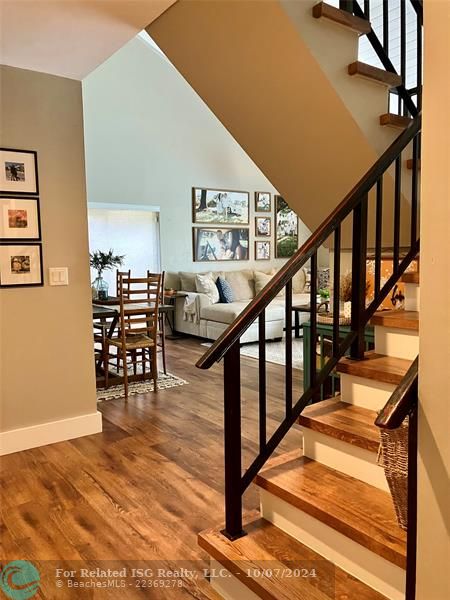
(410, 163)
(267, 547)
(413, 277)
(397, 319)
(343, 421)
(342, 17)
(387, 369)
(361, 69)
(393, 120)
(356, 509)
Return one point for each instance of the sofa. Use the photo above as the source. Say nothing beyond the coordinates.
(198, 315)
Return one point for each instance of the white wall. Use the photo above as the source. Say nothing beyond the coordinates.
(150, 139)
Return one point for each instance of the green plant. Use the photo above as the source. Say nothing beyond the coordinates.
(104, 261)
(324, 293)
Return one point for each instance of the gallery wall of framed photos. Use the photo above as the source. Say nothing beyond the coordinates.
(222, 231)
(21, 263)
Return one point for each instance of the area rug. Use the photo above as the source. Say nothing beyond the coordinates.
(275, 352)
(140, 387)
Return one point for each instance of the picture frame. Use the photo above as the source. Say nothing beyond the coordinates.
(263, 226)
(21, 265)
(286, 229)
(262, 250)
(19, 172)
(219, 207)
(220, 244)
(263, 202)
(20, 219)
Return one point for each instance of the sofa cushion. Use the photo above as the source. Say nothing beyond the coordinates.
(206, 284)
(299, 281)
(227, 313)
(242, 284)
(226, 295)
(187, 281)
(261, 280)
(172, 281)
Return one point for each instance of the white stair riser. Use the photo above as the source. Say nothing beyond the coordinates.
(399, 343)
(412, 296)
(364, 392)
(368, 567)
(346, 458)
(228, 586)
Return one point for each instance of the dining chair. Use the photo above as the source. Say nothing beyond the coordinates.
(126, 274)
(138, 331)
(161, 342)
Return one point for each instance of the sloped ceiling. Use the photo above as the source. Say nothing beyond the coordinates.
(70, 38)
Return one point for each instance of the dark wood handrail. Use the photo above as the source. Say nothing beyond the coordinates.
(287, 272)
(402, 400)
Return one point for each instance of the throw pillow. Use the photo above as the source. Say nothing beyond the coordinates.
(225, 291)
(261, 280)
(187, 281)
(205, 284)
(241, 283)
(299, 282)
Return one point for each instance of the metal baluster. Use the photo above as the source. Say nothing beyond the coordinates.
(403, 48)
(359, 256)
(397, 210)
(262, 380)
(414, 191)
(336, 288)
(378, 235)
(346, 5)
(288, 367)
(233, 457)
(367, 9)
(313, 315)
(386, 26)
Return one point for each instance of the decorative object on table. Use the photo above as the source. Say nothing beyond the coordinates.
(220, 206)
(286, 229)
(346, 293)
(165, 381)
(263, 226)
(324, 294)
(220, 244)
(19, 219)
(103, 261)
(20, 265)
(226, 295)
(262, 250)
(18, 172)
(263, 202)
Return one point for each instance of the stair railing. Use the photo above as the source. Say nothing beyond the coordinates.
(402, 404)
(404, 54)
(369, 196)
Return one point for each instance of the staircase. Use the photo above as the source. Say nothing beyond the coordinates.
(327, 527)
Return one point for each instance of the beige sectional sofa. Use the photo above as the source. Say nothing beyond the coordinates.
(209, 320)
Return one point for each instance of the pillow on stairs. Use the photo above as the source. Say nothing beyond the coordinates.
(225, 291)
(205, 284)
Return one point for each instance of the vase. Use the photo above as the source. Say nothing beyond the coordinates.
(347, 310)
(99, 289)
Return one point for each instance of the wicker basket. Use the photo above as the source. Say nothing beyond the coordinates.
(328, 319)
(393, 457)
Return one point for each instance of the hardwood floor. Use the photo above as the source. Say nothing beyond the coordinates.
(136, 495)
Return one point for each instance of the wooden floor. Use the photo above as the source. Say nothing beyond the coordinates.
(136, 495)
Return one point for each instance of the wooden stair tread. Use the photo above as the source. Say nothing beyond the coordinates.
(343, 421)
(387, 369)
(361, 69)
(267, 547)
(342, 17)
(410, 163)
(413, 277)
(393, 120)
(397, 319)
(356, 509)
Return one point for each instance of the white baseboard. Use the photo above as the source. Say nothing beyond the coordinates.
(25, 438)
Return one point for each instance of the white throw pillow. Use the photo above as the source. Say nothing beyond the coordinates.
(206, 284)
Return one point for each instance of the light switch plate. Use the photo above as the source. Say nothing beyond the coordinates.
(58, 276)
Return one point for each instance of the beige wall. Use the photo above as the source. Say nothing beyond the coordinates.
(433, 579)
(46, 344)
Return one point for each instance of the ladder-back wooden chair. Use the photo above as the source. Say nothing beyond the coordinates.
(119, 274)
(161, 322)
(136, 341)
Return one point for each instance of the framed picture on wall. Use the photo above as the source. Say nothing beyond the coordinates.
(286, 229)
(262, 250)
(263, 202)
(220, 206)
(220, 244)
(20, 265)
(18, 172)
(19, 219)
(263, 226)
